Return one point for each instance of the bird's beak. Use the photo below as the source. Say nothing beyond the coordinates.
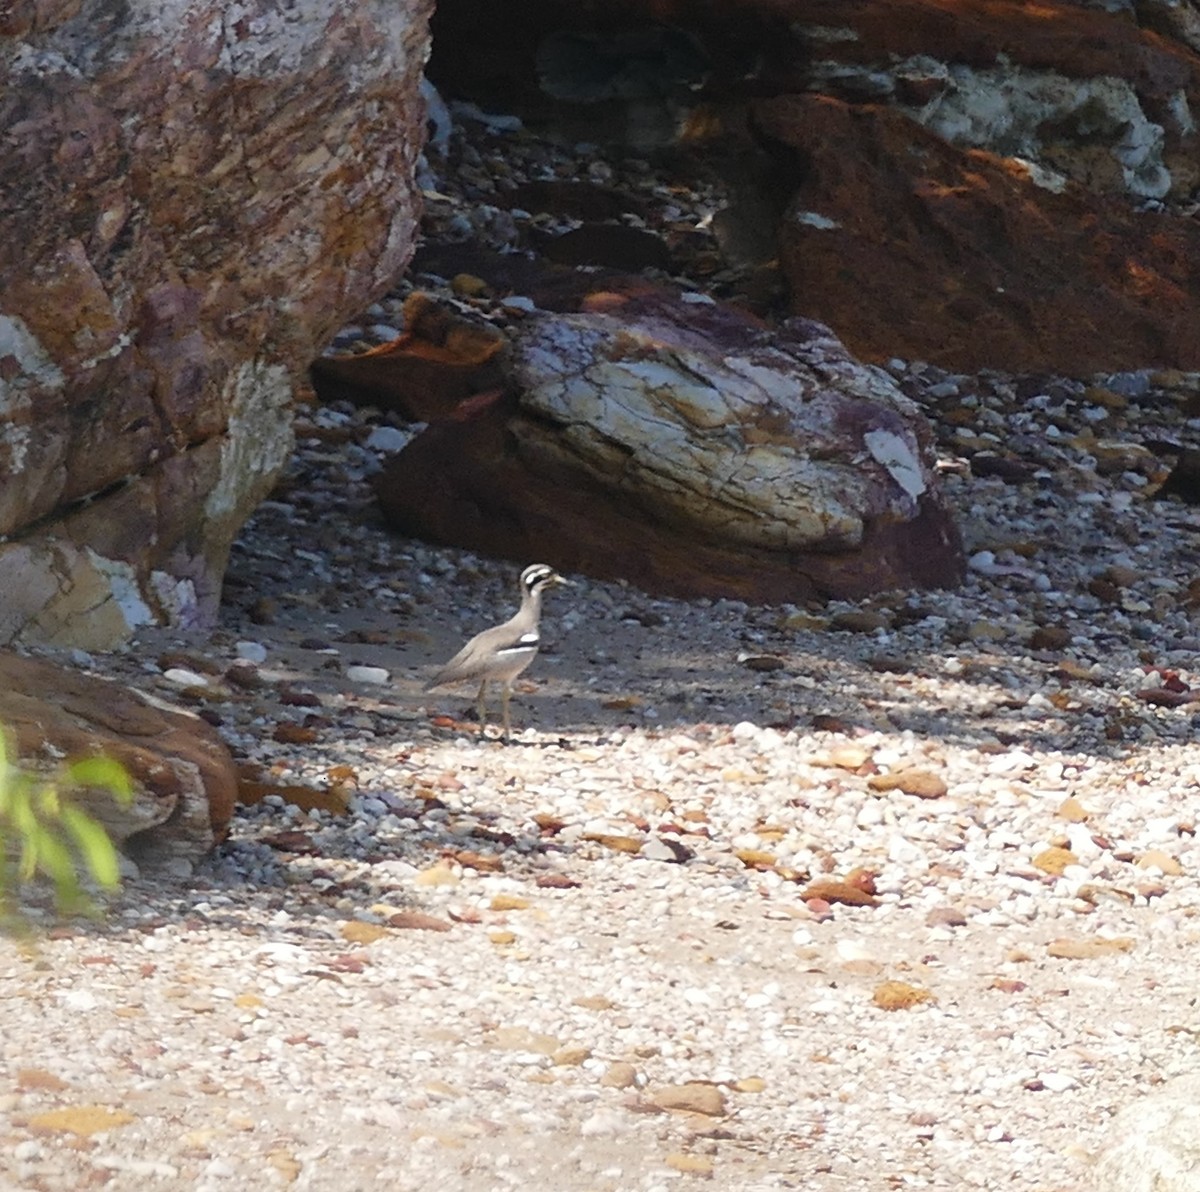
(559, 582)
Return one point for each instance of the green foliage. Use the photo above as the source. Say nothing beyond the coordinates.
(43, 832)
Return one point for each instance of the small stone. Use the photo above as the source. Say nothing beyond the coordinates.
(246, 677)
(924, 784)
(749, 1084)
(1089, 949)
(518, 303)
(619, 1075)
(618, 844)
(1058, 1082)
(844, 757)
(467, 285)
(286, 1166)
(945, 916)
(755, 858)
(356, 932)
(31, 1079)
(691, 1098)
(670, 851)
(1071, 810)
(1050, 637)
(509, 902)
(251, 651)
(899, 995)
(387, 440)
(437, 875)
(1055, 860)
(1008, 985)
(831, 890)
(556, 881)
(700, 1165)
(376, 675)
(571, 1056)
(83, 1120)
(417, 921)
(1156, 858)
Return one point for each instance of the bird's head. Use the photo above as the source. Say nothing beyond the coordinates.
(537, 577)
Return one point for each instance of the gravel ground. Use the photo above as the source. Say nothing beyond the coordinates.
(889, 895)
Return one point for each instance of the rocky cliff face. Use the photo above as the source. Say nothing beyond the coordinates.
(974, 183)
(194, 197)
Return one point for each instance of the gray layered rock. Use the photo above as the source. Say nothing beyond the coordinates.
(688, 448)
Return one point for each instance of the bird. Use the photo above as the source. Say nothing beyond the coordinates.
(500, 654)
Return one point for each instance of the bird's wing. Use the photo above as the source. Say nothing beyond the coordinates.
(479, 657)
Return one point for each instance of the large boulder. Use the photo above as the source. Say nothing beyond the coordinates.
(911, 247)
(184, 779)
(688, 448)
(1154, 1142)
(194, 199)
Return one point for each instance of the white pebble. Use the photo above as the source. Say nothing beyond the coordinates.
(387, 440)
(519, 302)
(1059, 1082)
(80, 1000)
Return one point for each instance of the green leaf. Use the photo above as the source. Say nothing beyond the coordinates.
(48, 802)
(43, 832)
(28, 830)
(27, 863)
(56, 862)
(94, 846)
(105, 773)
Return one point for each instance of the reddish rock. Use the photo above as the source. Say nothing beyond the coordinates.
(427, 374)
(691, 450)
(194, 202)
(184, 779)
(910, 247)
